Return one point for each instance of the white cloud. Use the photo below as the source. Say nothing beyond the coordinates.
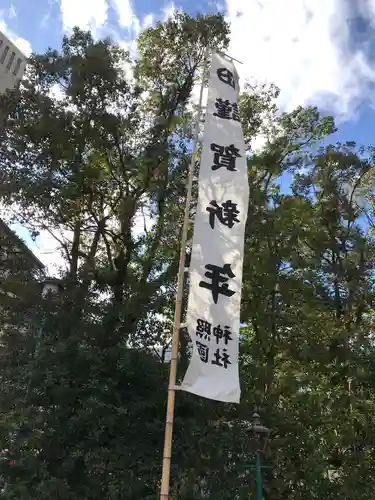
(21, 43)
(368, 6)
(56, 92)
(125, 12)
(148, 21)
(130, 46)
(300, 46)
(169, 11)
(128, 68)
(86, 14)
(12, 12)
(126, 15)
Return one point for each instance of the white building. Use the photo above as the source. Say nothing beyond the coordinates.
(12, 64)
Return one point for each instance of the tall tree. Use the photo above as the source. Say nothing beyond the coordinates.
(88, 166)
(308, 304)
(100, 161)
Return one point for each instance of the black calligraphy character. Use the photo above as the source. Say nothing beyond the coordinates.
(227, 110)
(226, 214)
(235, 112)
(215, 274)
(225, 334)
(225, 156)
(203, 329)
(223, 109)
(221, 359)
(218, 333)
(226, 76)
(203, 351)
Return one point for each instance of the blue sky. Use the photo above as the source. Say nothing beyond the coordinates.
(319, 52)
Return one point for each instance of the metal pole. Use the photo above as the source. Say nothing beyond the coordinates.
(164, 495)
(258, 471)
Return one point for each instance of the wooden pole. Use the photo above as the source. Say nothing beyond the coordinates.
(164, 494)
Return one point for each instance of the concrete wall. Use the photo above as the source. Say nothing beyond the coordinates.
(12, 64)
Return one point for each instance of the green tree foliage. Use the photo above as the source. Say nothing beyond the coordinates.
(99, 160)
(92, 163)
(308, 302)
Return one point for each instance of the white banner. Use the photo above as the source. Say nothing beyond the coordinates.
(215, 274)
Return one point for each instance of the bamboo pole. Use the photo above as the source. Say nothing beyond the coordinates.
(229, 57)
(164, 494)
